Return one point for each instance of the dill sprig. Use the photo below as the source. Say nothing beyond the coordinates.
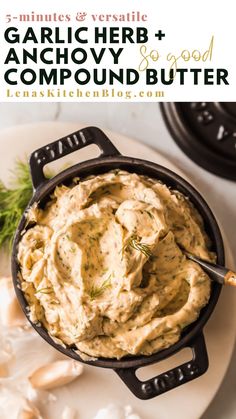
(13, 202)
(45, 290)
(135, 242)
(96, 291)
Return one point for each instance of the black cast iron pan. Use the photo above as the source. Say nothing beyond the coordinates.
(110, 158)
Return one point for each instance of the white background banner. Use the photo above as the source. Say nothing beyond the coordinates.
(117, 51)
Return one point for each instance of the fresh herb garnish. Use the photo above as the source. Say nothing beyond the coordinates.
(96, 291)
(13, 202)
(135, 242)
(150, 214)
(45, 290)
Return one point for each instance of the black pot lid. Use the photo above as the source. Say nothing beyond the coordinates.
(206, 132)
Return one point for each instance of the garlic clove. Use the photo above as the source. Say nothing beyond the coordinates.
(3, 370)
(68, 413)
(11, 314)
(55, 374)
(27, 414)
(29, 411)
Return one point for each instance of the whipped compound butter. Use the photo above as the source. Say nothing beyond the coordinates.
(103, 269)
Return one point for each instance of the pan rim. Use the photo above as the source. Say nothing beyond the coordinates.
(139, 165)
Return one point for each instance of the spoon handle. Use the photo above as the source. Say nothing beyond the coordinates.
(230, 278)
(218, 273)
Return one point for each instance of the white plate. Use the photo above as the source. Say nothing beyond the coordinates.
(99, 387)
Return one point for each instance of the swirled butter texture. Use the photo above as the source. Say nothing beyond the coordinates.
(102, 266)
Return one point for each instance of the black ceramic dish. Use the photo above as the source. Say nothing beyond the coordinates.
(205, 132)
(110, 158)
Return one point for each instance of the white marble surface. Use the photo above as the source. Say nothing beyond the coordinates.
(144, 123)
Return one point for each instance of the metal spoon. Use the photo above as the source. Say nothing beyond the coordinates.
(218, 273)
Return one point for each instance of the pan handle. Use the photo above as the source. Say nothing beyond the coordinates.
(173, 378)
(67, 145)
